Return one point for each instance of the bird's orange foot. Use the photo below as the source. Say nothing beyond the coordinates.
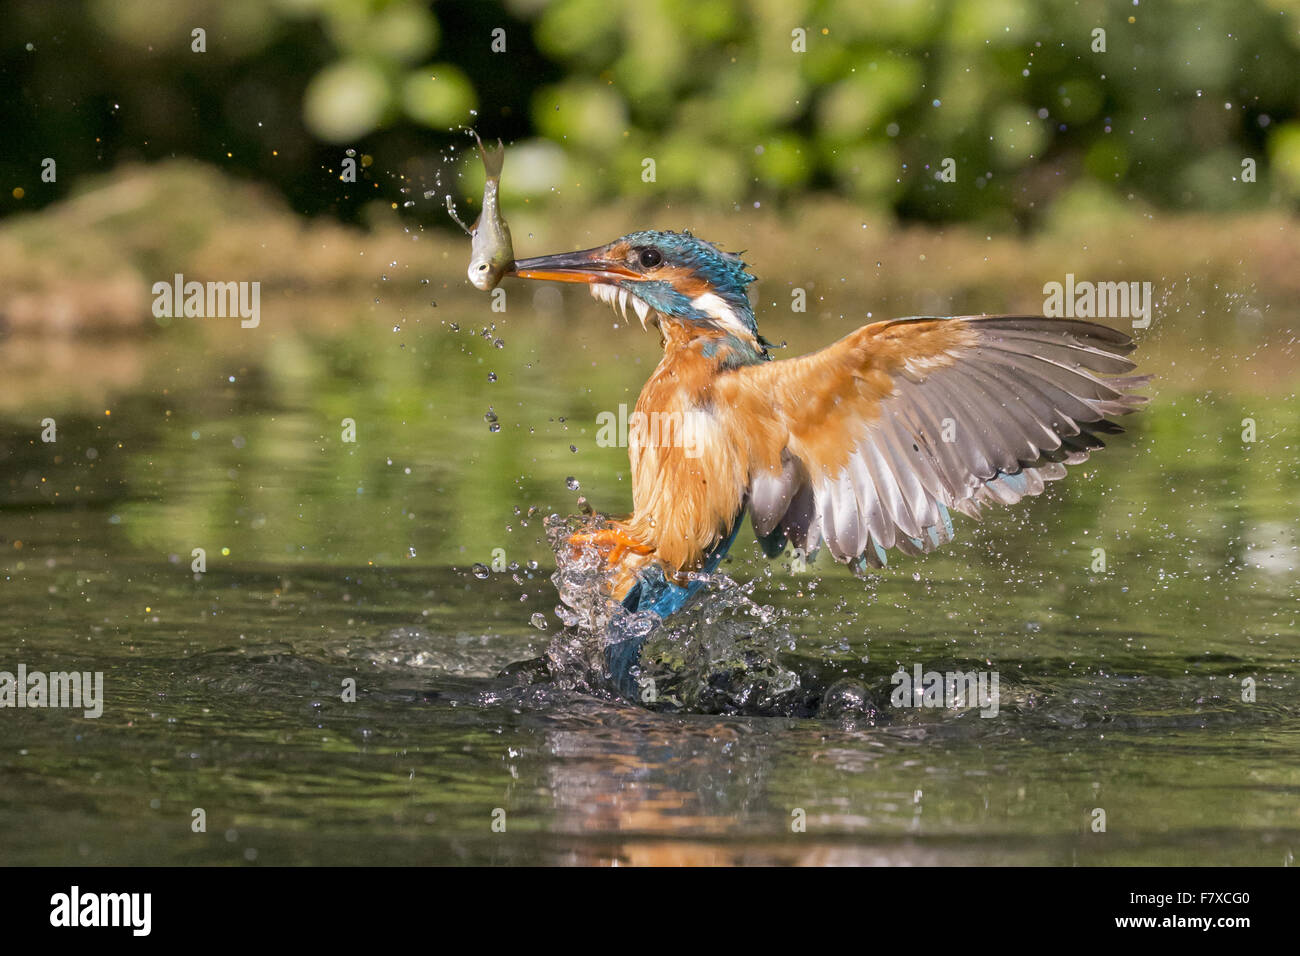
(611, 543)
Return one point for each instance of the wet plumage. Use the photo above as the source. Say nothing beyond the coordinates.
(867, 445)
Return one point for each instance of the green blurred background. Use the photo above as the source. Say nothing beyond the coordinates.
(715, 91)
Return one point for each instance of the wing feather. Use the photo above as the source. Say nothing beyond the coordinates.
(870, 443)
(890, 501)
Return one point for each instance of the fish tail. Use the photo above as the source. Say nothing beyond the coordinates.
(494, 160)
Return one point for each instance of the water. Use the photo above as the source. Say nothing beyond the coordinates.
(771, 736)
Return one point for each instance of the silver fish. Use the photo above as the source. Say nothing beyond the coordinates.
(491, 253)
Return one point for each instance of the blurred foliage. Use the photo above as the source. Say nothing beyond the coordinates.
(735, 101)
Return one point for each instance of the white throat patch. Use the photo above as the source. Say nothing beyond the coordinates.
(722, 313)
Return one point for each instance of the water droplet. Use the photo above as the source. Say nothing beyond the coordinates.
(538, 620)
(480, 571)
(572, 483)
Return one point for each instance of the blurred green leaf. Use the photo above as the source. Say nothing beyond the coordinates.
(581, 114)
(859, 105)
(1018, 135)
(346, 100)
(439, 96)
(783, 161)
(1284, 152)
(399, 32)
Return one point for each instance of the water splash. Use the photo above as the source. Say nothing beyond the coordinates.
(722, 654)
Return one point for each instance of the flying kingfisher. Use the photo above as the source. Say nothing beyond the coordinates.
(867, 445)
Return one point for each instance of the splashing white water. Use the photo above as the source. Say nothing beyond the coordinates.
(719, 654)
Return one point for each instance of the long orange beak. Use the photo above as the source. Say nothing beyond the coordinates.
(589, 265)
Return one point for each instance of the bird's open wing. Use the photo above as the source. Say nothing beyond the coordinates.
(867, 444)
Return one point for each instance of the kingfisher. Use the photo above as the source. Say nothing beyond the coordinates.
(865, 446)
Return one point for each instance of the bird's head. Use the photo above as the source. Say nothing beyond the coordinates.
(672, 275)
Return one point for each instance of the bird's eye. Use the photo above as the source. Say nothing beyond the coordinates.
(650, 258)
